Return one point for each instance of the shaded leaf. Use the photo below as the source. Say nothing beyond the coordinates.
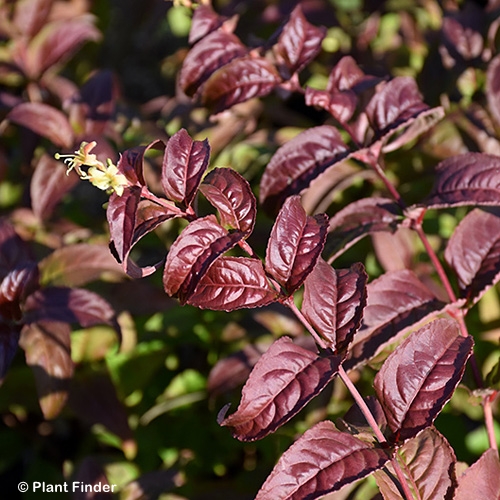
(427, 462)
(152, 484)
(359, 219)
(334, 301)
(299, 42)
(473, 251)
(76, 265)
(209, 54)
(295, 244)
(149, 216)
(233, 283)
(321, 461)
(184, 164)
(90, 472)
(57, 41)
(232, 196)
(420, 376)
(462, 41)
(282, 382)
(356, 424)
(44, 120)
(189, 257)
(15, 287)
(396, 301)
(14, 251)
(300, 160)
(9, 339)
(48, 186)
(238, 81)
(398, 101)
(68, 305)
(493, 88)
(467, 179)
(48, 352)
(481, 479)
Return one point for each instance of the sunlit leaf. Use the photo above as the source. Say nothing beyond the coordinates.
(233, 283)
(282, 382)
(321, 461)
(420, 376)
(333, 302)
(295, 244)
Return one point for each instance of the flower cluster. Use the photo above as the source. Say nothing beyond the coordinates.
(106, 177)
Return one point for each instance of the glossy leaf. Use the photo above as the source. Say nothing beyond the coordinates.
(427, 461)
(184, 164)
(209, 54)
(299, 42)
(44, 120)
(341, 105)
(233, 283)
(334, 301)
(238, 81)
(68, 305)
(282, 382)
(347, 75)
(20, 282)
(189, 257)
(76, 265)
(358, 219)
(48, 186)
(150, 215)
(420, 376)
(481, 479)
(300, 160)
(48, 352)
(473, 251)
(295, 244)
(398, 101)
(320, 462)
(493, 87)
(396, 301)
(204, 22)
(131, 162)
(467, 179)
(232, 196)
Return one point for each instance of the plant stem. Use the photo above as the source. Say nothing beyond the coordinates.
(488, 419)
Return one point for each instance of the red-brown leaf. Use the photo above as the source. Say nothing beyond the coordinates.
(420, 376)
(320, 462)
(282, 382)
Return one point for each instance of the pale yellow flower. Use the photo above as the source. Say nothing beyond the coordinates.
(106, 177)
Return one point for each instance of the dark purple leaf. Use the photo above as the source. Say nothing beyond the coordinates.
(300, 160)
(462, 41)
(334, 301)
(295, 244)
(14, 251)
(21, 281)
(238, 81)
(209, 54)
(93, 399)
(299, 42)
(233, 283)
(232, 196)
(398, 101)
(467, 179)
(57, 41)
(319, 462)
(396, 301)
(282, 382)
(359, 219)
(48, 186)
(9, 339)
(427, 462)
(91, 472)
(204, 21)
(192, 253)
(149, 216)
(473, 251)
(420, 376)
(347, 75)
(121, 215)
(44, 120)
(184, 164)
(493, 88)
(79, 264)
(481, 479)
(341, 105)
(68, 305)
(47, 347)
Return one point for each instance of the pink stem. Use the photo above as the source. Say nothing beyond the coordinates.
(488, 419)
